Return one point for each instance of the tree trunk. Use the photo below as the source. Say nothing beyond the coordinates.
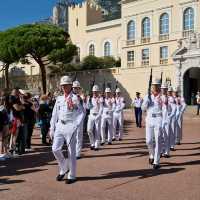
(43, 76)
(7, 85)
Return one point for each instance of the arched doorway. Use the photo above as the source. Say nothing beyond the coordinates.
(191, 84)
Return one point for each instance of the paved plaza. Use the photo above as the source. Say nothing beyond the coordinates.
(117, 172)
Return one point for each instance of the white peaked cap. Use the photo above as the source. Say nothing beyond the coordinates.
(170, 89)
(107, 90)
(117, 90)
(164, 86)
(156, 81)
(95, 88)
(65, 80)
(76, 84)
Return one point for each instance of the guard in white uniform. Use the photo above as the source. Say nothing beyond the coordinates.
(94, 120)
(66, 118)
(180, 108)
(107, 116)
(79, 139)
(165, 121)
(172, 118)
(118, 116)
(153, 105)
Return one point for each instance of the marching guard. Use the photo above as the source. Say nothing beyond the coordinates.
(107, 116)
(118, 115)
(66, 118)
(94, 120)
(79, 140)
(153, 105)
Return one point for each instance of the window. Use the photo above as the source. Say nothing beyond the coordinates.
(164, 26)
(131, 30)
(188, 21)
(91, 50)
(145, 57)
(76, 21)
(107, 49)
(146, 30)
(130, 59)
(130, 56)
(163, 55)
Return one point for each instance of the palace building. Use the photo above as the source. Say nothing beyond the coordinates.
(160, 34)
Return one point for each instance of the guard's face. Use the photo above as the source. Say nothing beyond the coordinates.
(169, 93)
(155, 89)
(108, 94)
(95, 94)
(66, 88)
(76, 90)
(164, 91)
(117, 94)
(175, 94)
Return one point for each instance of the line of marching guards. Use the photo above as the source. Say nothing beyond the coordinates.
(164, 112)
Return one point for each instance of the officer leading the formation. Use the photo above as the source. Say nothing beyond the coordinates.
(153, 105)
(66, 118)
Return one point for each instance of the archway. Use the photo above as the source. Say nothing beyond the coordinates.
(191, 84)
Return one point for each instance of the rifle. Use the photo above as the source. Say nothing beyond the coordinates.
(161, 78)
(75, 77)
(150, 82)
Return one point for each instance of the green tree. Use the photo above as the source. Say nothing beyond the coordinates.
(8, 54)
(46, 44)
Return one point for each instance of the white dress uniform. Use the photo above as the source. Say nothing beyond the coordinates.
(66, 118)
(79, 137)
(107, 119)
(165, 125)
(94, 121)
(153, 126)
(118, 116)
(180, 108)
(172, 120)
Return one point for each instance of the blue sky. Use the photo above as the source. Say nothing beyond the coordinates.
(16, 12)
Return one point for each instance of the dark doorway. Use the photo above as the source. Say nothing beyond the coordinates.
(191, 83)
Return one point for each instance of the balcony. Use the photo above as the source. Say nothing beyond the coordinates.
(145, 62)
(163, 61)
(145, 40)
(130, 42)
(164, 37)
(130, 64)
(187, 33)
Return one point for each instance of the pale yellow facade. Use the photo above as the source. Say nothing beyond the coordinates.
(134, 75)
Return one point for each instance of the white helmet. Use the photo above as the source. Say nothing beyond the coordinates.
(164, 86)
(170, 89)
(107, 90)
(118, 90)
(66, 80)
(156, 81)
(76, 84)
(95, 88)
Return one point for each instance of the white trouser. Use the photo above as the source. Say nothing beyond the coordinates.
(64, 163)
(118, 119)
(179, 128)
(94, 135)
(79, 139)
(106, 120)
(172, 132)
(154, 133)
(166, 138)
